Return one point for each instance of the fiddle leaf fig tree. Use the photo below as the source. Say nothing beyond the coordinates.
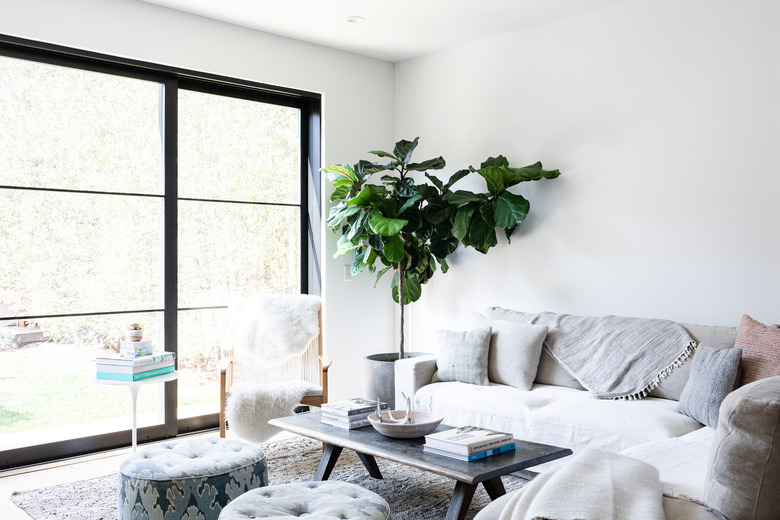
(410, 228)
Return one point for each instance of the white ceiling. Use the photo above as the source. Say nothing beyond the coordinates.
(394, 30)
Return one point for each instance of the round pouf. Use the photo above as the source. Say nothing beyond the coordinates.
(188, 479)
(325, 500)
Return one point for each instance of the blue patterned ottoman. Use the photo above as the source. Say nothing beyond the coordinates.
(188, 479)
(325, 500)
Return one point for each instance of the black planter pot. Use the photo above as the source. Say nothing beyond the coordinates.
(380, 377)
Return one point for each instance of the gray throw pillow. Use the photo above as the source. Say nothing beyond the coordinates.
(743, 467)
(463, 356)
(515, 349)
(713, 373)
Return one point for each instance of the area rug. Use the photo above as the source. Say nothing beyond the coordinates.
(412, 494)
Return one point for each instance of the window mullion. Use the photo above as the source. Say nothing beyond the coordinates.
(169, 128)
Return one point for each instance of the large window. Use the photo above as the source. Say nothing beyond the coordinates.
(134, 193)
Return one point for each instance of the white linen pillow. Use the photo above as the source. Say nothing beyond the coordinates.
(463, 356)
(515, 349)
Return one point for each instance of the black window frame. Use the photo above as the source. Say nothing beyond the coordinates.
(173, 79)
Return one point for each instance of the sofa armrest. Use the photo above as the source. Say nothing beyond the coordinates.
(411, 374)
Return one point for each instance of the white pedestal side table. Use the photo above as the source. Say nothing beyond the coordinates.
(134, 386)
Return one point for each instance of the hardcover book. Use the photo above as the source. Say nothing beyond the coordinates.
(345, 424)
(133, 369)
(142, 360)
(353, 406)
(467, 439)
(114, 376)
(474, 456)
(346, 418)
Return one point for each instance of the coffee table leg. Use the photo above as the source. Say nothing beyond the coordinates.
(461, 499)
(494, 488)
(330, 454)
(370, 463)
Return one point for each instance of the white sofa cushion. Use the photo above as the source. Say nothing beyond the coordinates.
(556, 415)
(514, 352)
(681, 462)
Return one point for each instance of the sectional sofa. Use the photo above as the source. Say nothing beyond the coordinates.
(527, 373)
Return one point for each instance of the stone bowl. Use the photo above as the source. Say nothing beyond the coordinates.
(422, 423)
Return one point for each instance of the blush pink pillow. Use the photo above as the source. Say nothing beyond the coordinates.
(760, 346)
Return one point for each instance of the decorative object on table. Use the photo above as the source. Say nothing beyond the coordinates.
(410, 227)
(131, 349)
(135, 333)
(188, 478)
(418, 424)
(349, 413)
(467, 440)
(274, 347)
(404, 424)
(118, 368)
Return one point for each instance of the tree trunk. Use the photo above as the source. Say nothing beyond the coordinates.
(401, 302)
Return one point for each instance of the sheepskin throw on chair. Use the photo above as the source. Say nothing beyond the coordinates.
(269, 329)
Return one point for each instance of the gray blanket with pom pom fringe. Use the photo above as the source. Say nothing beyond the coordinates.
(616, 357)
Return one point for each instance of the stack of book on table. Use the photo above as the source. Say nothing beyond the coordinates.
(118, 368)
(468, 443)
(349, 413)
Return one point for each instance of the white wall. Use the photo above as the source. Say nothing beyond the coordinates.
(357, 116)
(663, 117)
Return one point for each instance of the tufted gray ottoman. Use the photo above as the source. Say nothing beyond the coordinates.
(188, 479)
(324, 500)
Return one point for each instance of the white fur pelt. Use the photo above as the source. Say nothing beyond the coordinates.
(249, 407)
(274, 327)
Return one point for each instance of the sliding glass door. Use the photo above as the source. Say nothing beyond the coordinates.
(131, 195)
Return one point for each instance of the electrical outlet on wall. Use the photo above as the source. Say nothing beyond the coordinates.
(347, 273)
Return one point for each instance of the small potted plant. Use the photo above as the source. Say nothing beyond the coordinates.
(135, 333)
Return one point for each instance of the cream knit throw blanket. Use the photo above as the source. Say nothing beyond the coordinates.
(615, 357)
(594, 484)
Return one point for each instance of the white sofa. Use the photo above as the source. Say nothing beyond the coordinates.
(559, 411)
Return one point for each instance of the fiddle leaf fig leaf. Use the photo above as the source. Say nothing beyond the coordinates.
(412, 288)
(403, 150)
(337, 172)
(511, 210)
(431, 164)
(409, 203)
(436, 181)
(386, 226)
(455, 177)
(344, 246)
(460, 228)
(482, 235)
(496, 162)
(394, 249)
(338, 213)
(463, 197)
(532, 172)
(339, 193)
(380, 153)
(361, 199)
(494, 178)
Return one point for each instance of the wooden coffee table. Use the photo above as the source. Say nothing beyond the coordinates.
(368, 444)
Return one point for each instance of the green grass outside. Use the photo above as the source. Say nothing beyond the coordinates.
(49, 385)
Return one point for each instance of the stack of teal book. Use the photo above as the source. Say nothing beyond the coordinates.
(468, 443)
(118, 368)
